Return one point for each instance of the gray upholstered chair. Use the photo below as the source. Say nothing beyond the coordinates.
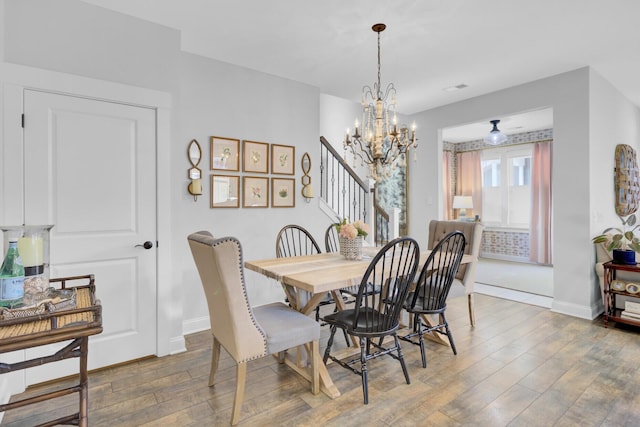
(466, 276)
(246, 333)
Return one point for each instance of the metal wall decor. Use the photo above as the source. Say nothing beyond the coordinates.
(194, 153)
(626, 180)
(307, 192)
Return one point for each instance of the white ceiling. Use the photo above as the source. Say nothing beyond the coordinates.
(428, 45)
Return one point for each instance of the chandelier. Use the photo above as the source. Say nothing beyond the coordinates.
(383, 144)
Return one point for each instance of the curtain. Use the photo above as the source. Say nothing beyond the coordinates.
(447, 158)
(469, 180)
(541, 210)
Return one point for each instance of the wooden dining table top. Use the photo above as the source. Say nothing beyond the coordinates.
(324, 272)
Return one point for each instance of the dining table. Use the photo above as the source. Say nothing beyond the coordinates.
(323, 273)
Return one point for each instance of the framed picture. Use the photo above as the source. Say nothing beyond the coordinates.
(225, 154)
(225, 191)
(255, 192)
(255, 157)
(283, 159)
(283, 192)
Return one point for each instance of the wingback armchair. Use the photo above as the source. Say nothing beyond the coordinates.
(245, 332)
(466, 276)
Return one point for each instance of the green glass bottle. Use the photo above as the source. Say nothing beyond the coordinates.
(11, 277)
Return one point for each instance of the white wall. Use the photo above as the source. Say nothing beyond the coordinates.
(2, 33)
(224, 100)
(336, 115)
(210, 98)
(613, 120)
(78, 38)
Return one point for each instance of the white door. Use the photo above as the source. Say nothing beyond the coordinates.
(90, 171)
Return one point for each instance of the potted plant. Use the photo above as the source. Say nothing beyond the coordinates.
(622, 242)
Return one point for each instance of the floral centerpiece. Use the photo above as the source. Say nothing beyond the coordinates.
(351, 236)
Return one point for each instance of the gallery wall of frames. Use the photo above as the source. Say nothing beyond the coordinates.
(247, 174)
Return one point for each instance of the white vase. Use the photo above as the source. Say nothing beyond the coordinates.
(351, 249)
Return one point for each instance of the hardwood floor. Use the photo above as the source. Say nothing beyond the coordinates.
(521, 365)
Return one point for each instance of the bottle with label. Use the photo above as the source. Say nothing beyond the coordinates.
(11, 277)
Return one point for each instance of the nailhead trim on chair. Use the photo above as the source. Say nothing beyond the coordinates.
(244, 292)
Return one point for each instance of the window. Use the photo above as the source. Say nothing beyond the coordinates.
(506, 186)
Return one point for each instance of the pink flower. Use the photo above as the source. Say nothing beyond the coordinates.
(363, 227)
(348, 231)
(351, 230)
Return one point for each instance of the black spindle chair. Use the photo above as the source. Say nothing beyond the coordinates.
(432, 288)
(376, 315)
(331, 240)
(294, 240)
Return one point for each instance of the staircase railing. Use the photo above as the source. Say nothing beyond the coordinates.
(347, 196)
(381, 224)
(340, 187)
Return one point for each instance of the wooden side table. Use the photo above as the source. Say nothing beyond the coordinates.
(610, 310)
(75, 324)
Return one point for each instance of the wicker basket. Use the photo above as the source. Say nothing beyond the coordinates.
(351, 249)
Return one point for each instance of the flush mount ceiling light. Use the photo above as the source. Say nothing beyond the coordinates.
(384, 144)
(495, 137)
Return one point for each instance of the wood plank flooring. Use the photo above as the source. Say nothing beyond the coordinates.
(521, 365)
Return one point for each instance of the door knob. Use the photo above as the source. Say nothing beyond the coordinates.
(146, 245)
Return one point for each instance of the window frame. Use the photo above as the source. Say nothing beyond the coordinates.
(504, 155)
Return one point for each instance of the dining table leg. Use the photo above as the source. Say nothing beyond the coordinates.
(326, 383)
(433, 336)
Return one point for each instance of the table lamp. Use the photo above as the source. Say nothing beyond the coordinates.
(463, 203)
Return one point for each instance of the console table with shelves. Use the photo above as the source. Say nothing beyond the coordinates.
(75, 324)
(611, 313)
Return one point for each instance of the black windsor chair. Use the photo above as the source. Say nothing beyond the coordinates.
(376, 315)
(432, 288)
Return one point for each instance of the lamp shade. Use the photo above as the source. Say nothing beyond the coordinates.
(462, 202)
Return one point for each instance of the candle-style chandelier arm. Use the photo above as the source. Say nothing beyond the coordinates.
(350, 143)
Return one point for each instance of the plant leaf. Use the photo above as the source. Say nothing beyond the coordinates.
(631, 220)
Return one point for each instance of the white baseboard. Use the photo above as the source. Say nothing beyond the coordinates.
(191, 326)
(177, 345)
(490, 255)
(575, 310)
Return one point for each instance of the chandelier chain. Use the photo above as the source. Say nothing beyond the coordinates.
(379, 94)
